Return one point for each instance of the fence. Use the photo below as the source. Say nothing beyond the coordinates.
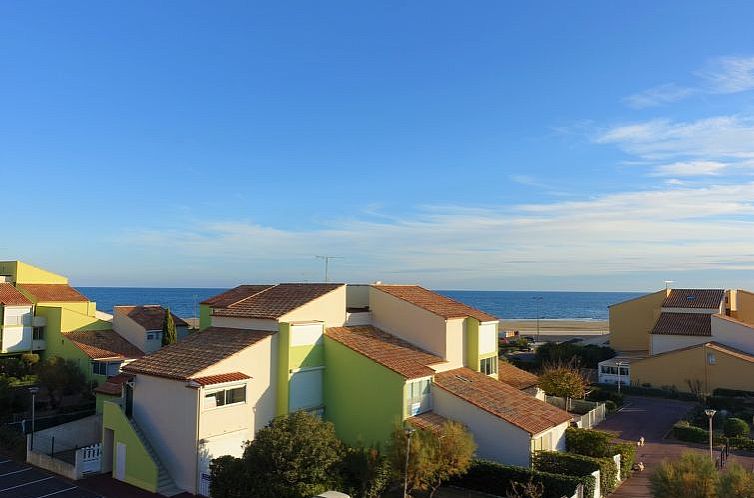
(587, 414)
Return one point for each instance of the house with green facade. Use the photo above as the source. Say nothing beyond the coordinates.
(366, 357)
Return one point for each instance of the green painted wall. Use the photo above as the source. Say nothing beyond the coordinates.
(472, 344)
(101, 398)
(205, 319)
(141, 471)
(284, 369)
(362, 398)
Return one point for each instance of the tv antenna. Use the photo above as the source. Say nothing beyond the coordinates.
(327, 264)
(667, 283)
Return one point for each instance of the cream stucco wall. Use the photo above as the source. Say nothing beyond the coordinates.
(357, 296)
(496, 439)
(131, 331)
(733, 333)
(411, 323)
(745, 306)
(455, 341)
(632, 321)
(664, 343)
(488, 337)
(329, 308)
(244, 323)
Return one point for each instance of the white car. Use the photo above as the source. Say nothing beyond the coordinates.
(332, 494)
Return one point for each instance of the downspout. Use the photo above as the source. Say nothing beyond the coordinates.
(197, 388)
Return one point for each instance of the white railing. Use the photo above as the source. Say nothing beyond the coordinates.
(38, 344)
(358, 318)
(89, 459)
(39, 321)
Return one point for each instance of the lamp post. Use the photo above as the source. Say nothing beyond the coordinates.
(537, 299)
(620, 364)
(710, 413)
(33, 391)
(409, 433)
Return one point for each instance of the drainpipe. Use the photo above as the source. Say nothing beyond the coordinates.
(196, 386)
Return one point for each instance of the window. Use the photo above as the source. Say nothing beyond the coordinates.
(488, 366)
(39, 334)
(99, 368)
(224, 397)
(711, 358)
(418, 397)
(542, 443)
(105, 368)
(154, 336)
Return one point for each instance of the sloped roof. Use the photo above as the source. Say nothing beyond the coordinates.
(113, 386)
(501, 400)
(103, 344)
(196, 352)
(516, 377)
(695, 324)
(389, 351)
(235, 295)
(722, 348)
(434, 302)
(53, 293)
(10, 296)
(210, 380)
(428, 421)
(150, 316)
(276, 301)
(694, 298)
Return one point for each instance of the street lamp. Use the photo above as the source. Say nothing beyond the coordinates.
(620, 364)
(409, 432)
(710, 413)
(33, 391)
(537, 299)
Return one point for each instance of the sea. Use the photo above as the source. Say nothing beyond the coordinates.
(509, 305)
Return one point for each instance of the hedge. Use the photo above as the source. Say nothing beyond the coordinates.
(651, 391)
(741, 443)
(598, 444)
(578, 465)
(735, 427)
(627, 452)
(494, 478)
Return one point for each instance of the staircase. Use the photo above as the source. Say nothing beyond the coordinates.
(165, 484)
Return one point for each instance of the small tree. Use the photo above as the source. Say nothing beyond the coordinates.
(736, 427)
(691, 476)
(435, 457)
(564, 380)
(60, 377)
(528, 489)
(736, 481)
(169, 335)
(366, 473)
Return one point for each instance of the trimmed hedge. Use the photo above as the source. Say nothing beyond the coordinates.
(689, 433)
(627, 452)
(578, 465)
(741, 443)
(650, 391)
(735, 427)
(598, 444)
(494, 478)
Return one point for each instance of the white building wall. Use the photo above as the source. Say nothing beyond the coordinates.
(132, 332)
(487, 337)
(245, 323)
(329, 308)
(456, 343)
(663, 343)
(734, 334)
(17, 330)
(496, 439)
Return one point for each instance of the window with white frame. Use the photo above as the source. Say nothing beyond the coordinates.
(418, 397)
(108, 369)
(233, 395)
(154, 335)
(542, 443)
(488, 366)
(38, 334)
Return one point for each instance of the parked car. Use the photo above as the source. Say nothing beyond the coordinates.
(332, 494)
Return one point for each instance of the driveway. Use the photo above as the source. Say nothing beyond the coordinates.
(653, 418)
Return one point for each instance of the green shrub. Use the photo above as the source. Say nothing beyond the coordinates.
(496, 479)
(736, 427)
(610, 406)
(690, 434)
(627, 452)
(741, 443)
(578, 465)
(721, 391)
(588, 442)
(13, 442)
(657, 392)
(597, 394)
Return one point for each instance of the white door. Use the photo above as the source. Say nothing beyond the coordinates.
(120, 461)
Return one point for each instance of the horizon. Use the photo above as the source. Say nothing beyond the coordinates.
(488, 146)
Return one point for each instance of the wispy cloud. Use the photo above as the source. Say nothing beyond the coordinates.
(690, 168)
(720, 76)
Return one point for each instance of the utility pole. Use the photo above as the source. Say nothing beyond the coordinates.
(327, 264)
(537, 299)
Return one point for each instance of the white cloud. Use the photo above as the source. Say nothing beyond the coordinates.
(659, 95)
(690, 168)
(729, 75)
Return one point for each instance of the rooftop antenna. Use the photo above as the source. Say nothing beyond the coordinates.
(327, 264)
(667, 283)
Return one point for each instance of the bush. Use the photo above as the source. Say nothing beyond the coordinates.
(627, 452)
(588, 442)
(365, 473)
(741, 443)
(586, 356)
(13, 441)
(497, 479)
(610, 406)
(597, 394)
(578, 465)
(228, 478)
(721, 391)
(736, 427)
(690, 434)
(656, 392)
(691, 476)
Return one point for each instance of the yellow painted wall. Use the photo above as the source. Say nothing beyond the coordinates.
(24, 273)
(632, 321)
(676, 368)
(745, 306)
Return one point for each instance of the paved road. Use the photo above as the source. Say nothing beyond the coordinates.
(24, 481)
(652, 418)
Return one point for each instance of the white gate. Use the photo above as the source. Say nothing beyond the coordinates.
(204, 484)
(91, 458)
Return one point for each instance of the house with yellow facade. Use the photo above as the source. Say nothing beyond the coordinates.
(366, 357)
(691, 340)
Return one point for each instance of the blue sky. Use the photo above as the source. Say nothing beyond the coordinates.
(485, 145)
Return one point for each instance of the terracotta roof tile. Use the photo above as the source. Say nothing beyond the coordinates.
(103, 344)
(10, 296)
(500, 399)
(737, 353)
(113, 386)
(276, 301)
(196, 352)
(516, 377)
(428, 421)
(434, 302)
(53, 292)
(396, 354)
(235, 295)
(694, 298)
(151, 316)
(220, 378)
(696, 324)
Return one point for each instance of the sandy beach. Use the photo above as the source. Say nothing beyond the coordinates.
(557, 327)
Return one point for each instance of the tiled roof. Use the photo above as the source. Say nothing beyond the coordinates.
(10, 296)
(113, 386)
(434, 302)
(220, 378)
(516, 377)
(697, 324)
(103, 344)
(276, 301)
(53, 292)
(501, 400)
(151, 316)
(722, 348)
(428, 421)
(235, 295)
(396, 354)
(196, 352)
(694, 298)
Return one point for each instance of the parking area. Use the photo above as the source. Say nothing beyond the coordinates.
(23, 481)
